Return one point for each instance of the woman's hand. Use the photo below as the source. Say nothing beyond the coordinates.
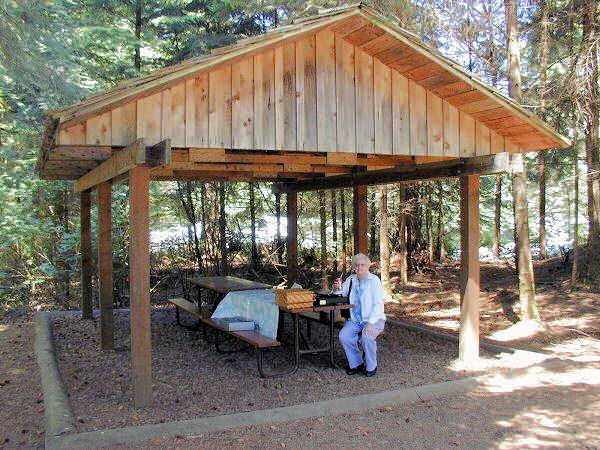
(337, 284)
(369, 330)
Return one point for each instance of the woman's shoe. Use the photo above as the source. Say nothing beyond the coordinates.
(355, 370)
(371, 373)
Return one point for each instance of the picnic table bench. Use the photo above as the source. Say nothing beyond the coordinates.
(252, 338)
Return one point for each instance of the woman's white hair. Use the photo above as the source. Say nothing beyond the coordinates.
(360, 257)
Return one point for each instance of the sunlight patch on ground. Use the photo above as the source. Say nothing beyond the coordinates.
(452, 312)
(553, 372)
(530, 441)
(542, 427)
(581, 349)
(446, 324)
(519, 330)
(516, 360)
(581, 322)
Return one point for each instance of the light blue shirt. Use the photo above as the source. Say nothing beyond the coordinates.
(368, 297)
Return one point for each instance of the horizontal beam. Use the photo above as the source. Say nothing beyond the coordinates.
(80, 152)
(479, 165)
(136, 154)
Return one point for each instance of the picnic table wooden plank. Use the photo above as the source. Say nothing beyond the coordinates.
(316, 308)
(223, 285)
(186, 306)
(250, 337)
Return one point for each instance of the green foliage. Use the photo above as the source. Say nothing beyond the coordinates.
(56, 52)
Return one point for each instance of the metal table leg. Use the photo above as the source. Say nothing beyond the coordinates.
(220, 350)
(331, 338)
(295, 365)
(194, 327)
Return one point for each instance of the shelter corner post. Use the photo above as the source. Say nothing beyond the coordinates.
(468, 347)
(105, 268)
(360, 220)
(139, 285)
(86, 254)
(292, 237)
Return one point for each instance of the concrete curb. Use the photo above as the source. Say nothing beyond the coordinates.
(57, 411)
(495, 348)
(105, 438)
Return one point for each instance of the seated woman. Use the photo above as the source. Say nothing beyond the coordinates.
(366, 296)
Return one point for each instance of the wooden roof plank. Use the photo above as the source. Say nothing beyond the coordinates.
(360, 25)
(186, 72)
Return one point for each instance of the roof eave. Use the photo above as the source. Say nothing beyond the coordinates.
(449, 65)
(51, 125)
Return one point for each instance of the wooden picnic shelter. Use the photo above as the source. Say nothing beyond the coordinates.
(342, 99)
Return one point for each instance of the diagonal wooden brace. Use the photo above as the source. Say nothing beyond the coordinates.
(136, 154)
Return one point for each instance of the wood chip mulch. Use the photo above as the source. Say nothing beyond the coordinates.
(191, 380)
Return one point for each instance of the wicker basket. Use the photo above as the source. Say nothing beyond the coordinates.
(294, 298)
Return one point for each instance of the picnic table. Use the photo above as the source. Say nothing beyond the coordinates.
(225, 285)
(221, 286)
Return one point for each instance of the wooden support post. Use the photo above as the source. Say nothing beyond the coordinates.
(359, 202)
(105, 269)
(86, 255)
(468, 346)
(139, 285)
(292, 237)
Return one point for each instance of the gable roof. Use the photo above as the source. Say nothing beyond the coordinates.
(501, 124)
(448, 75)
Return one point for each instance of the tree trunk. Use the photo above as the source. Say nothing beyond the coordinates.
(416, 218)
(203, 233)
(344, 243)
(373, 220)
(497, 211)
(542, 154)
(185, 197)
(542, 219)
(575, 267)
(334, 220)
(591, 138)
(137, 59)
(529, 309)
(384, 249)
(440, 252)
(253, 250)
(223, 230)
(323, 217)
(402, 248)
(66, 267)
(278, 242)
(429, 222)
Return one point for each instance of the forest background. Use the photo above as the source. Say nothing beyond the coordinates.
(56, 52)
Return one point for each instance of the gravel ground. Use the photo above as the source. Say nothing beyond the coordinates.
(21, 401)
(192, 380)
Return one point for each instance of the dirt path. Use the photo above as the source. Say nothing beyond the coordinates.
(549, 408)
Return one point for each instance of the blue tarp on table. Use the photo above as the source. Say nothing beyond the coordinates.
(256, 305)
